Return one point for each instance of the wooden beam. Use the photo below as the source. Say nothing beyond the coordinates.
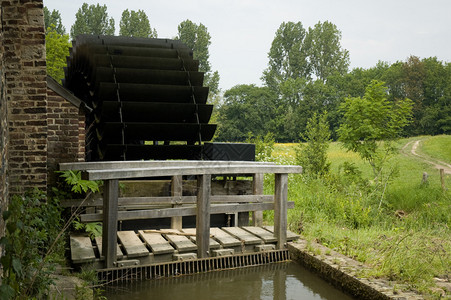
(181, 211)
(173, 200)
(201, 169)
(109, 231)
(176, 192)
(203, 215)
(280, 209)
(257, 187)
(109, 165)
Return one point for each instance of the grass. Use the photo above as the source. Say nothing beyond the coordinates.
(438, 147)
(402, 231)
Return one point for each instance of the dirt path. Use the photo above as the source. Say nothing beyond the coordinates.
(434, 162)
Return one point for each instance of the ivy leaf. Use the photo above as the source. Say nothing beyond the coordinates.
(17, 266)
(6, 292)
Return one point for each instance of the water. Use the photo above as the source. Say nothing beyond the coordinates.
(281, 281)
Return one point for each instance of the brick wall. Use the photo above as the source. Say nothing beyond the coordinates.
(26, 93)
(66, 132)
(3, 142)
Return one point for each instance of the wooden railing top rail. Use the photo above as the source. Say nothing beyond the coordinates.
(199, 169)
(108, 165)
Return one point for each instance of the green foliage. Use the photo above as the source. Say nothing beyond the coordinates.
(78, 185)
(136, 24)
(313, 156)
(325, 53)
(370, 119)
(264, 146)
(93, 229)
(398, 238)
(246, 108)
(57, 49)
(197, 38)
(288, 56)
(32, 224)
(53, 18)
(92, 19)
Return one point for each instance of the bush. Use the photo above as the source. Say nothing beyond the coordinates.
(32, 224)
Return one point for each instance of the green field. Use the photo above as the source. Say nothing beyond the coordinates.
(400, 227)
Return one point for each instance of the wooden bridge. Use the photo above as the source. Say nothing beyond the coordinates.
(116, 249)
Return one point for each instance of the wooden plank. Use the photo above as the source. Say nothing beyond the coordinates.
(213, 244)
(183, 211)
(257, 189)
(203, 215)
(81, 249)
(109, 237)
(225, 239)
(156, 242)
(291, 236)
(265, 235)
(98, 240)
(132, 244)
(178, 200)
(243, 235)
(280, 209)
(108, 165)
(176, 192)
(180, 242)
(190, 170)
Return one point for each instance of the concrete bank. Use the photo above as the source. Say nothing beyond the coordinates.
(342, 272)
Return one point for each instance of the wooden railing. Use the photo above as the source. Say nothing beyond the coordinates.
(112, 172)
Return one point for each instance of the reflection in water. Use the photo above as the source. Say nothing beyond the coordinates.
(280, 281)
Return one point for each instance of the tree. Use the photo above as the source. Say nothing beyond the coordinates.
(313, 156)
(92, 19)
(325, 53)
(53, 18)
(198, 39)
(288, 56)
(57, 49)
(247, 109)
(371, 119)
(136, 24)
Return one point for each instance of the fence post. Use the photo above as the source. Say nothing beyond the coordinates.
(280, 209)
(257, 187)
(203, 215)
(109, 231)
(176, 191)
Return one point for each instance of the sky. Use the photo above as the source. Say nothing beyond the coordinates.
(242, 30)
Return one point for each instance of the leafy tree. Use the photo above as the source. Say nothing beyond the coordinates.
(53, 18)
(371, 119)
(247, 109)
(288, 56)
(92, 19)
(57, 49)
(136, 24)
(325, 52)
(313, 155)
(198, 39)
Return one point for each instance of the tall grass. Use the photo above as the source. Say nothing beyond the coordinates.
(402, 231)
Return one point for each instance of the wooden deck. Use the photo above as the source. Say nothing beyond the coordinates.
(148, 247)
(133, 248)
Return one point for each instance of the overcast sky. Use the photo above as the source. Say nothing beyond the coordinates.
(242, 30)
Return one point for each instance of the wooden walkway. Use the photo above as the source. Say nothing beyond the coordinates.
(142, 247)
(147, 247)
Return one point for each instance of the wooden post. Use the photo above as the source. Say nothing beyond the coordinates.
(442, 179)
(257, 187)
(176, 191)
(109, 230)
(203, 215)
(280, 209)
